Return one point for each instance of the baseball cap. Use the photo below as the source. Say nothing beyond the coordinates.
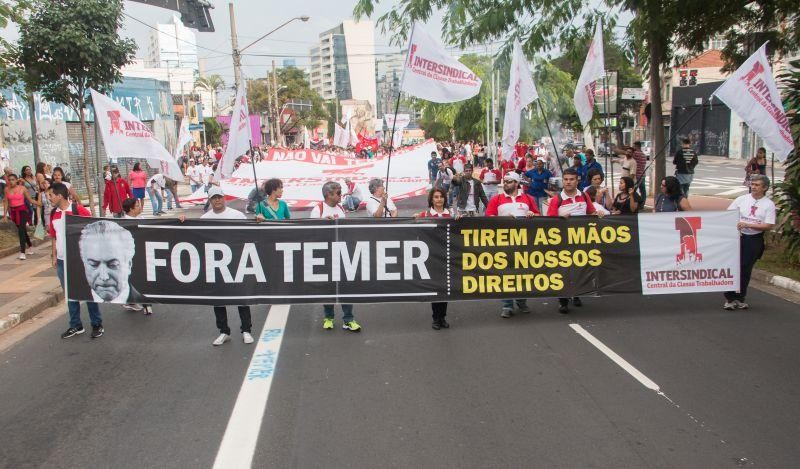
(215, 191)
(512, 176)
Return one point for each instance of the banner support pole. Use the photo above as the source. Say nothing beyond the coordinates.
(772, 177)
(397, 108)
(253, 162)
(555, 149)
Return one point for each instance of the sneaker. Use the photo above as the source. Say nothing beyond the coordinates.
(327, 323)
(247, 338)
(577, 302)
(132, 307)
(741, 304)
(29, 252)
(436, 325)
(97, 332)
(563, 309)
(163, 212)
(524, 309)
(221, 339)
(72, 331)
(506, 313)
(22, 256)
(148, 310)
(352, 326)
(444, 324)
(729, 305)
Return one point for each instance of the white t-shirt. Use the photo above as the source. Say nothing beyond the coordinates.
(194, 174)
(754, 211)
(458, 165)
(205, 174)
(227, 214)
(598, 208)
(158, 181)
(327, 211)
(470, 206)
(373, 203)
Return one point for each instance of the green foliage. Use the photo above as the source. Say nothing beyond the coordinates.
(69, 46)
(10, 73)
(292, 85)
(213, 130)
(788, 191)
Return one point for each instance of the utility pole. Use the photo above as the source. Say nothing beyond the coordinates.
(270, 118)
(237, 57)
(489, 147)
(278, 122)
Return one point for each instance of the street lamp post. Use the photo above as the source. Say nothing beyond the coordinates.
(237, 52)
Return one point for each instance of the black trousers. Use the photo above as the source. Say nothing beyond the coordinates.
(24, 239)
(221, 313)
(439, 310)
(564, 301)
(751, 249)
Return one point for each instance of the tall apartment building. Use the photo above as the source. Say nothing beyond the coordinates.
(389, 71)
(172, 45)
(343, 63)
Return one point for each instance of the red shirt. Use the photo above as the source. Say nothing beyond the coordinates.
(580, 204)
(496, 172)
(506, 166)
(504, 205)
(430, 213)
(113, 196)
(520, 149)
(641, 162)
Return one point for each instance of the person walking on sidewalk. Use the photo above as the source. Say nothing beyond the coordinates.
(60, 199)
(756, 216)
(16, 209)
(685, 161)
(116, 191)
(331, 209)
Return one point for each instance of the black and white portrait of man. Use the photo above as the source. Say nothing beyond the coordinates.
(107, 253)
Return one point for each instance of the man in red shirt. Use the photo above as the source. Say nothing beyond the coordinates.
(521, 148)
(117, 190)
(60, 200)
(570, 202)
(490, 177)
(512, 203)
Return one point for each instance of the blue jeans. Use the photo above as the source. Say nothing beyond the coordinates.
(74, 307)
(194, 187)
(170, 198)
(509, 304)
(347, 312)
(685, 180)
(643, 188)
(155, 199)
(540, 203)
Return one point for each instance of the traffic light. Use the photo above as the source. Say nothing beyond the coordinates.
(692, 77)
(683, 74)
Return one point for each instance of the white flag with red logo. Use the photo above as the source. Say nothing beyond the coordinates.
(751, 93)
(184, 137)
(431, 74)
(521, 92)
(593, 68)
(239, 136)
(125, 136)
(340, 137)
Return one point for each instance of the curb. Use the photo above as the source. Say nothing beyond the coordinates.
(30, 310)
(777, 280)
(10, 251)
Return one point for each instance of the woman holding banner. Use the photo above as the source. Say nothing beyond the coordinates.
(273, 208)
(436, 209)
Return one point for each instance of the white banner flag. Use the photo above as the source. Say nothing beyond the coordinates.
(125, 136)
(751, 93)
(521, 92)
(239, 136)
(593, 68)
(340, 137)
(431, 74)
(184, 137)
(306, 138)
(402, 120)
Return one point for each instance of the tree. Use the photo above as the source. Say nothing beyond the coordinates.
(212, 84)
(788, 191)
(293, 87)
(70, 46)
(659, 28)
(10, 73)
(213, 130)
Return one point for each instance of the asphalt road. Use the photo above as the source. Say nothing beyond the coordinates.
(489, 392)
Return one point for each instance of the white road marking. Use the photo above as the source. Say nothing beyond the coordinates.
(239, 443)
(646, 382)
(734, 191)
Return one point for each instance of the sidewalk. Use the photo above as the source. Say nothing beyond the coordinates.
(29, 287)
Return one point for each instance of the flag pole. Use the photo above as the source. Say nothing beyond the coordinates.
(253, 162)
(544, 118)
(606, 104)
(397, 108)
(772, 178)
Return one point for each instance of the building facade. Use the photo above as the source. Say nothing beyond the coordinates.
(342, 65)
(172, 45)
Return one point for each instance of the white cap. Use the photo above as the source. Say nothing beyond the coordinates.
(215, 191)
(511, 176)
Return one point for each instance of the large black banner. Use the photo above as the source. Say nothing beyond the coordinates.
(355, 260)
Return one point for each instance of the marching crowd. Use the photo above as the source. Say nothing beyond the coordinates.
(465, 182)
